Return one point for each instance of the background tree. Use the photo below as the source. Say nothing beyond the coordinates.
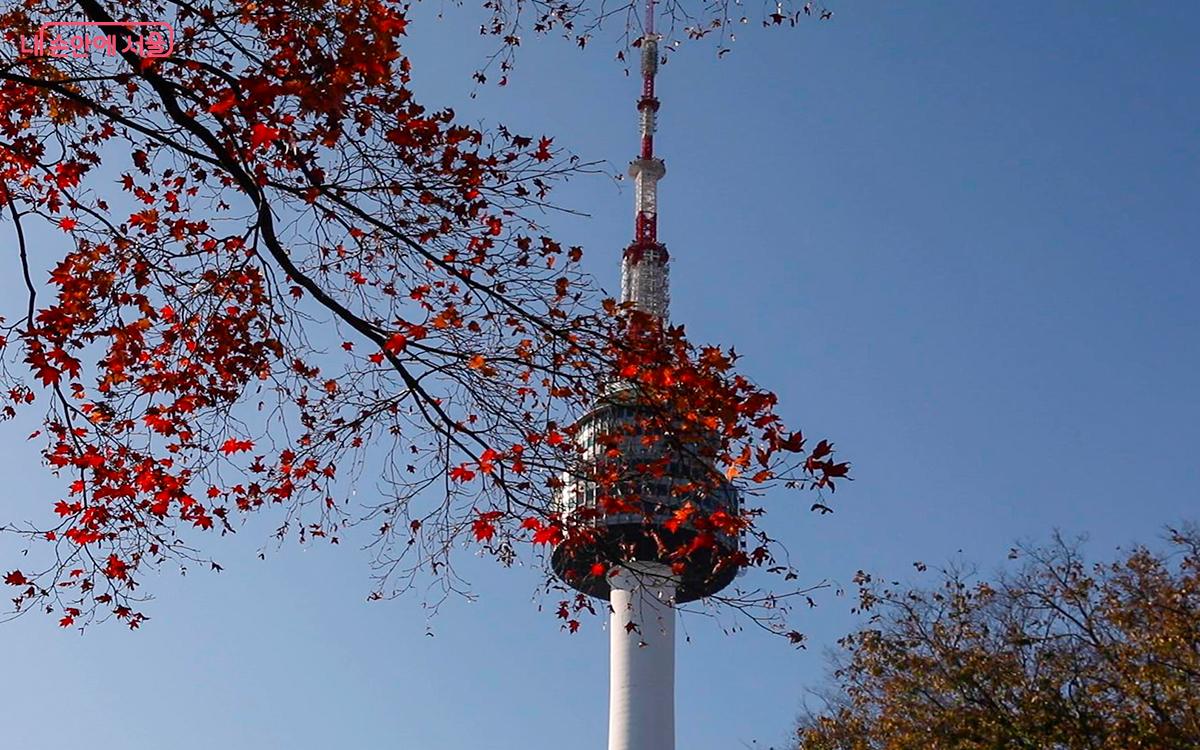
(279, 273)
(1057, 654)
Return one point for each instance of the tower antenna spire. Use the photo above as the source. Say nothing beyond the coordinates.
(644, 273)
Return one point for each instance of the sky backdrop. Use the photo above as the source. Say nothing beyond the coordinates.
(958, 239)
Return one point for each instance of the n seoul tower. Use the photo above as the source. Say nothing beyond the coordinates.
(643, 587)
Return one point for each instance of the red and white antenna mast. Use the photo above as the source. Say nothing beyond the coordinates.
(644, 267)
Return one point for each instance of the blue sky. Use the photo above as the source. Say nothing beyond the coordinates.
(959, 239)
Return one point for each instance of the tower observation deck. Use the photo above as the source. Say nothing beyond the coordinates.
(643, 581)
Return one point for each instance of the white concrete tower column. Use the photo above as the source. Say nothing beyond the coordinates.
(641, 711)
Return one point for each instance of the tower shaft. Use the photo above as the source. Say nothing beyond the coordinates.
(641, 711)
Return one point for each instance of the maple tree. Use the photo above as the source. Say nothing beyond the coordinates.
(274, 269)
(1057, 654)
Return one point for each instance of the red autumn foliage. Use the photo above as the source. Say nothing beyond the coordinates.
(305, 272)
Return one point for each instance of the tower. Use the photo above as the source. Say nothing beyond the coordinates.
(638, 579)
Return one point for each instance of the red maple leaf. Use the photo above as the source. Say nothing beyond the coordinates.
(487, 460)
(549, 534)
(484, 526)
(116, 568)
(396, 343)
(223, 106)
(233, 445)
(260, 135)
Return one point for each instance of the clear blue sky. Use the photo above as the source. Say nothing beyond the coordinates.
(960, 239)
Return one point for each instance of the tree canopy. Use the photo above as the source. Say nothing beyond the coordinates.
(1054, 654)
(278, 276)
